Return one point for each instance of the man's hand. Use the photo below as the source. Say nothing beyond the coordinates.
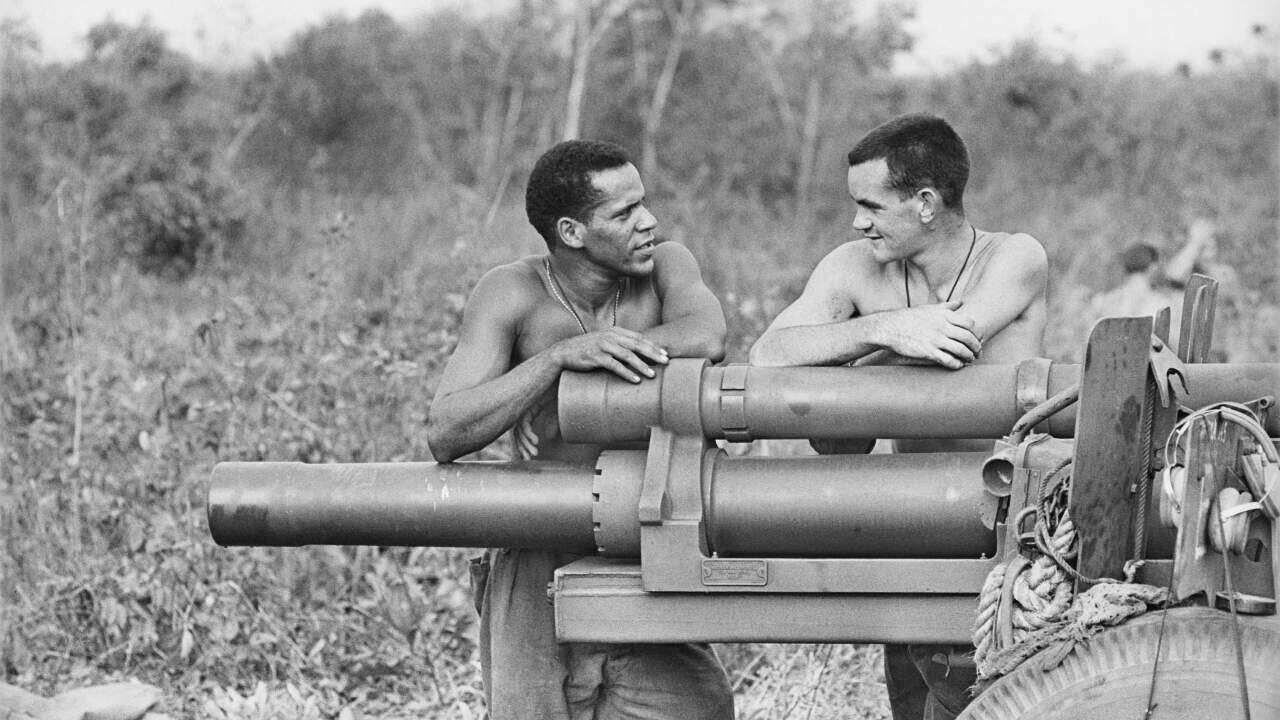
(936, 333)
(618, 350)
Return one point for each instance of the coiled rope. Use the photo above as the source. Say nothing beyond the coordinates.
(1033, 590)
(1029, 603)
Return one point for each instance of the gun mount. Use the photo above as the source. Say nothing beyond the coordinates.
(687, 543)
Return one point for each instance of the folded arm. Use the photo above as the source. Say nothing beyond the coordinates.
(824, 326)
(481, 396)
(1001, 299)
(693, 322)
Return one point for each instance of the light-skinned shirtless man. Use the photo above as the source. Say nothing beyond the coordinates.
(607, 296)
(919, 284)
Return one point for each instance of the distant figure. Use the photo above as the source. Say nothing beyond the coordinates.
(1148, 287)
(1142, 291)
(1200, 255)
(1235, 328)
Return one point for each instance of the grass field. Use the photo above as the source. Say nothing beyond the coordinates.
(321, 342)
(123, 389)
(306, 325)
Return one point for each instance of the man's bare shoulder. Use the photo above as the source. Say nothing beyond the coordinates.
(842, 272)
(1011, 258)
(1016, 246)
(853, 258)
(674, 269)
(510, 288)
(671, 250)
(671, 258)
(518, 276)
(848, 269)
(843, 284)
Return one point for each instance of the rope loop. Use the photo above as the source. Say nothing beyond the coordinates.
(1034, 590)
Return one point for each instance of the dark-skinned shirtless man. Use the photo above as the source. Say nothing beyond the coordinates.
(920, 285)
(605, 296)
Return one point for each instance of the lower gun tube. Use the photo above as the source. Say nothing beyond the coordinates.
(920, 505)
(481, 504)
(911, 505)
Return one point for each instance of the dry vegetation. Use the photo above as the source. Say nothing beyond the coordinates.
(324, 353)
(168, 304)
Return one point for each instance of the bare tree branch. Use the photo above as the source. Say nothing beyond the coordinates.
(586, 34)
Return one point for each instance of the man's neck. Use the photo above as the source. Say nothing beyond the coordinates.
(940, 263)
(583, 282)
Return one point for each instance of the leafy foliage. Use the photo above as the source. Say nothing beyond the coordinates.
(108, 565)
(271, 263)
(135, 131)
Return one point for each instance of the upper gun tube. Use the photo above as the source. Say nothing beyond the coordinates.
(741, 403)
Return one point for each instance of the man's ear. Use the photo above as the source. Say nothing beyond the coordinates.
(930, 204)
(570, 232)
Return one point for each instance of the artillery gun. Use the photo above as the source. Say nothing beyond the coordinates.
(1171, 477)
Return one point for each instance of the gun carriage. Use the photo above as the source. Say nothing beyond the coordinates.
(684, 542)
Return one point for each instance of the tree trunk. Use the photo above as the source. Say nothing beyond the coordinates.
(808, 143)
(682, 24)
(577, 75)
(778, 90)
(586, 33)
(492, 125)
(514, 104)
(9, 204)
(639, 50)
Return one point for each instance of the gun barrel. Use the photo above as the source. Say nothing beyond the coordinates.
(920, 505)
(480, 504)
(740, 403)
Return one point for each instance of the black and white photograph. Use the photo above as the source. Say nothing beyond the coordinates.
(639, 360)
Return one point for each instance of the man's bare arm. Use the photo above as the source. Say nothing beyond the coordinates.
(1005, 302)
(822, 327)
(693, 322)
(1009, 285)
(480, 396)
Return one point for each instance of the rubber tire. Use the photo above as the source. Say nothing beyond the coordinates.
(1109, 675)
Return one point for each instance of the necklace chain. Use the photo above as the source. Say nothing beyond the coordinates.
(906, 280)
(555, 292)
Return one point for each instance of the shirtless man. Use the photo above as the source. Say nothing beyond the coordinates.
(1142, 290)
(608, 296)
(920, 285)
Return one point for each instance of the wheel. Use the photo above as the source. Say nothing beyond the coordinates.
(1109, 675)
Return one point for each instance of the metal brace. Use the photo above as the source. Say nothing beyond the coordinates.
(1262, 408)
(1169, 373)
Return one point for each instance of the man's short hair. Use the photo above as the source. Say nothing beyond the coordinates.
(560, 184)
(1138, 257)
(921, 151)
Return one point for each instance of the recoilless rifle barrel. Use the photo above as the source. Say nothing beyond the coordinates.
(739, 403)
(830, 506)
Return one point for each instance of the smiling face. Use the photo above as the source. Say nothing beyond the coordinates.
(618, 232)
(892, 223)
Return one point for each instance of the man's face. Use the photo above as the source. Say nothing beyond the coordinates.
(619, 230)
(891, 223)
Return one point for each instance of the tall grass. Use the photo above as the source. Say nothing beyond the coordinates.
(108, 570)
(320, 339)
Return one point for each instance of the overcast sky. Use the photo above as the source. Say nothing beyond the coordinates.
(1157, 34)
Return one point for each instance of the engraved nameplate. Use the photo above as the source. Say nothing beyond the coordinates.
(735, 572)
